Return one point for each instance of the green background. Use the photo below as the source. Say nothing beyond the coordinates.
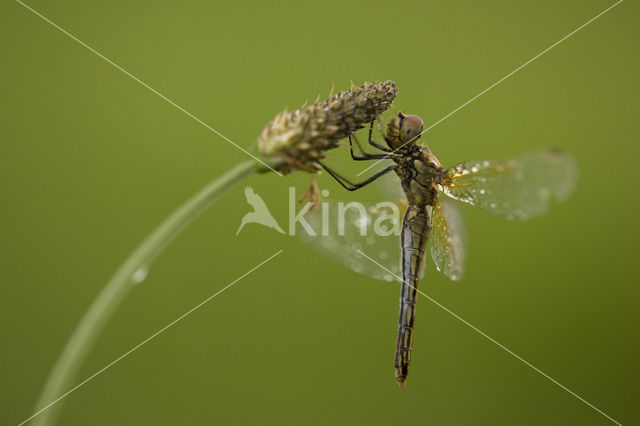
(91, 161)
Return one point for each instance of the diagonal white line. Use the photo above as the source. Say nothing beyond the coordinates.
(497, 343)
(147, 86)
(148, 339)
(500, 81)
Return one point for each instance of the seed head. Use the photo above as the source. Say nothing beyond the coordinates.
(296, 139)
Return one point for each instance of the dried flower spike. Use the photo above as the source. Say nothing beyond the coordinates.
(294, 140)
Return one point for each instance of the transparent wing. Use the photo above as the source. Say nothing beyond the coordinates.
(519, 188)
(389, 186)
(447, 238)
(371, 229)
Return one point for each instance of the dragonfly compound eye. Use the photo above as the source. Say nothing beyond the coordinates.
(411, 128)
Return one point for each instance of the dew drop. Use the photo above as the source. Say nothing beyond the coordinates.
(140, 275)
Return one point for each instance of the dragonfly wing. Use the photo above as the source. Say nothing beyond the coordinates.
(447, 238)
(371, 229)
(389, 186)
(519, 188)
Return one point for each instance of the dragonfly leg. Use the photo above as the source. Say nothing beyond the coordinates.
(350, 186)
(365, 155)
(374, 143)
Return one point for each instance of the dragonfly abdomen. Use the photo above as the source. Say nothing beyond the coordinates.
(415, 233)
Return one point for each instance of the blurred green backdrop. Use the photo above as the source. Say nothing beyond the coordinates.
(92, 161)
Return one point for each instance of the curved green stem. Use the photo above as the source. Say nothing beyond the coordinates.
(94, 320)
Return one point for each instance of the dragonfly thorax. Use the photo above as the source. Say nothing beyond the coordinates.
(419, 172)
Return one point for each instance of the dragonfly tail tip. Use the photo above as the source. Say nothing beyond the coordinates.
(402, 380)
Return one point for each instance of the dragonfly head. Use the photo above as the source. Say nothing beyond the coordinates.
(403, 130)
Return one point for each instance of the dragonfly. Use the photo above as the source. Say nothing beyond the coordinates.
(516, 189)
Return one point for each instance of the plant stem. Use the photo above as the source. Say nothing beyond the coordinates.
(96, 317)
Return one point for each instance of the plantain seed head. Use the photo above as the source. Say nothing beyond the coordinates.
(294, 140)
